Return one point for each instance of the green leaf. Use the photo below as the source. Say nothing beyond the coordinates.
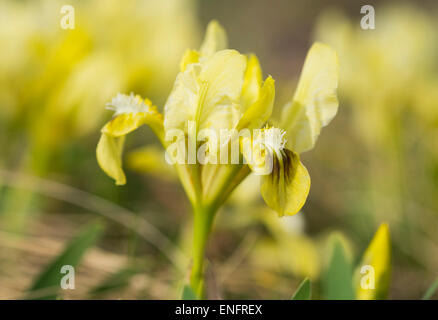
(188, 294)
(47, 283)
(304, 291)
(115, 281)
(429, 293)
(337, 282)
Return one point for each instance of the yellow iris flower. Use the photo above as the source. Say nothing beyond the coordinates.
(221, 89)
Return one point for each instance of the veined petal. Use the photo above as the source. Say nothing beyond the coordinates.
(373, 274)
(284, 182)
(222, 80)
(260, 111)
(252, 82)
(207, 93)
(285, 190)
(315, 102)
(108, 153)
(215, 39)
(183, 100)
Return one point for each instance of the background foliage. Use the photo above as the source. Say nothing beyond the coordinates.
(377, 162)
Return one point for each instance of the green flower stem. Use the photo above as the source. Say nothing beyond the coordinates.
(203, 215)
(232, 180)
(203, 221)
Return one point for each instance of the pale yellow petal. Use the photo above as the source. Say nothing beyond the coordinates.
(315, 102)
(190, 56)
(183, 100)
(207, 93)
(222, 80)
(215, 39)
(131, 113)
(108, 153)
(260, 111)
(251, 83)
(123, 124)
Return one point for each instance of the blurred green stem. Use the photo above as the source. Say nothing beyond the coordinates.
(203, 221)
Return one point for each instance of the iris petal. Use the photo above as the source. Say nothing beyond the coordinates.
(286, 188)
(215, 39)
(110, 147)
(315, 102)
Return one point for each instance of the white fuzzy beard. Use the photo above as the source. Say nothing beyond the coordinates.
(123, 104)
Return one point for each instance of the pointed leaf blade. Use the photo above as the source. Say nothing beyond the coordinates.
(304, 291)
(48, 282)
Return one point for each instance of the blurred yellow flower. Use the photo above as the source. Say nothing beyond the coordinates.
(383, 70)
(372, 276)
(49, 75)
(115, 45)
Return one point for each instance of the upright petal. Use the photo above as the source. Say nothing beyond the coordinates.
(215, 39)
(315, 102)
(251, 83)
(189, 57)
(222, 80)
(183, 100)
(207, 93)
(261, 109)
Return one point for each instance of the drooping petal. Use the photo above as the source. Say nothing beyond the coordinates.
(284, 181)
(372, 276)
(124, 124)
(108, 153)
(215, 39)
(315, 102)
(286, 188)
(131, 113)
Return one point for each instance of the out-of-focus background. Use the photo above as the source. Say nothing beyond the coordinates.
(376, 162)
